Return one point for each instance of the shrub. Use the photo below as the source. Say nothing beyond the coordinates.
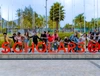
(62, 35)
(1, 35)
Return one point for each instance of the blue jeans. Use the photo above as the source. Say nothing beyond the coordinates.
(26, 41)
(55, 47)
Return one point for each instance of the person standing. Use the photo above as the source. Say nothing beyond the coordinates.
(14, 37)
(55, 35)
(7, 40)
(26, 38)
(19, 39)
(50, 40)
(35, 40)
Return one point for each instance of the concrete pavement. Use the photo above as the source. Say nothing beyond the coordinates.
(49, 68)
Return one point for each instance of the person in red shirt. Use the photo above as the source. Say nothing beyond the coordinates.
(50, 40)
(55, 35)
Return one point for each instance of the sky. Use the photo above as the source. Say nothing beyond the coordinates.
(72, 8)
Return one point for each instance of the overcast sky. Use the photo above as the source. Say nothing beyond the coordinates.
(72, 8)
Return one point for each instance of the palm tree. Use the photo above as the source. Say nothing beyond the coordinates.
(93, 23)
(57, 13)
(79, 20)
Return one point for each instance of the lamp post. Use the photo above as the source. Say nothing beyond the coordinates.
(46, 14)
(1, 17)
(74, 13)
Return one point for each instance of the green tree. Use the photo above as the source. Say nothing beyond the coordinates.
(52, 24)
(68, 26)
(79, 20)
(57, 13)
(40, 21)
(19, 14)
(27, 17)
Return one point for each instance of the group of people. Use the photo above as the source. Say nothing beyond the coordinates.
(54, 39)
(25, 39)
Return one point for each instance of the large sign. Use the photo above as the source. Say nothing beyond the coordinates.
(92, 48)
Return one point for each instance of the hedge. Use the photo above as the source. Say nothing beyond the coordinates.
(62, 35)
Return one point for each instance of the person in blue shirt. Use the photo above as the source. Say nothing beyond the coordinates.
(74, 38)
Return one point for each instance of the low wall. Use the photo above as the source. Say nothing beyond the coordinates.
(49, 56)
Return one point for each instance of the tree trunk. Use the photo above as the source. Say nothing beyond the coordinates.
(57, 22)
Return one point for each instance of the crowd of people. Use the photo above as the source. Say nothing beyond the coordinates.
(54, 39)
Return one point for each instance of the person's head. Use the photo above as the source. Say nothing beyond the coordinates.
(35, 33)
(26, 34)
(44, 32)
(5, 34)
(56, 40)
(65, 37)
(80, 38)
(14, 34)
(97, 33)
(92, 37)
(76, 34)
(55, 31)
(59, 39)
(49, 35)
(95, 30)
(18, 33)
(85, 35)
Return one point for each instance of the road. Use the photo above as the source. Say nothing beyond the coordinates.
(50, 68)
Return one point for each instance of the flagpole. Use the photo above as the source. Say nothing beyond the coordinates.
(97, 15)
(59, 15)
(94, 13)
(1, 18)
(72, 16)
(22, 17)
(12, 18)
(7, 21)
(84, 18)
(32, 18)
(53, 18)
(74, 13)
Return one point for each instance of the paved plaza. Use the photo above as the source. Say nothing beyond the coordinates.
(50, 68)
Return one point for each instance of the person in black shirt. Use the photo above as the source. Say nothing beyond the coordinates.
(66, 41)
(44, 37)
(35, 40)
(13, 37)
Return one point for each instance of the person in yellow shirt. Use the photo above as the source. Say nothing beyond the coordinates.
(7, 39)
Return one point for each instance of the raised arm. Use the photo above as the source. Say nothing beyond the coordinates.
(30, 36)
